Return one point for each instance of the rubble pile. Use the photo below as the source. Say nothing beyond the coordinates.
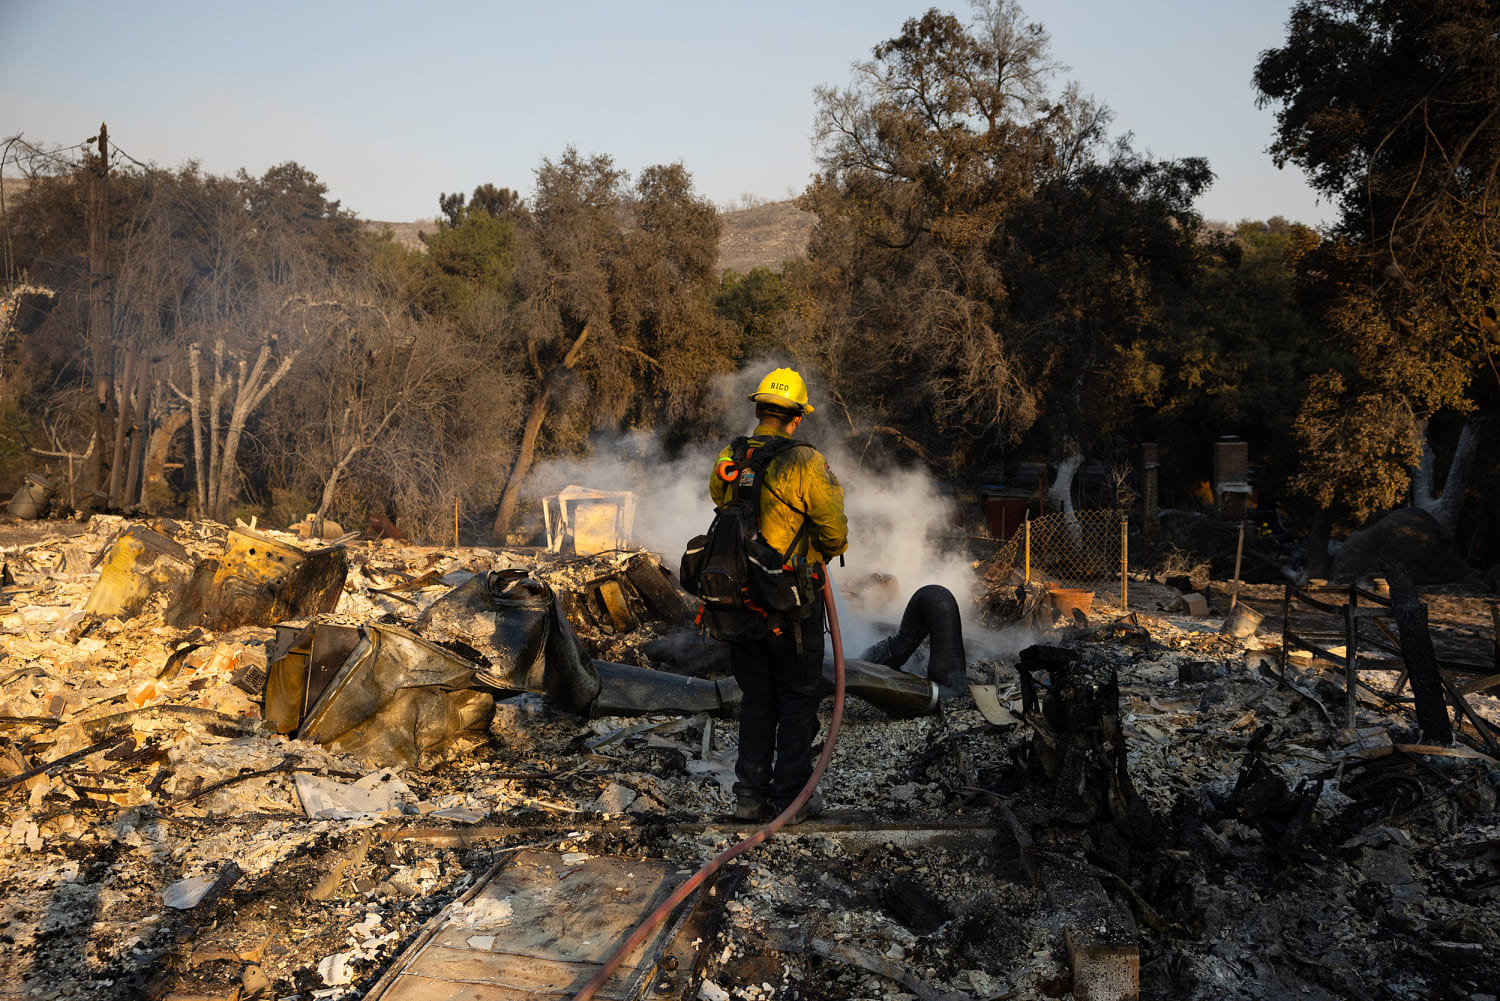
(162, 837)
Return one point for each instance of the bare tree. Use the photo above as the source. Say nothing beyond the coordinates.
(548, 377)
(373, 370)
(233, 390)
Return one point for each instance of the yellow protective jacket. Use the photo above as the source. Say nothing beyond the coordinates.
(798, 480)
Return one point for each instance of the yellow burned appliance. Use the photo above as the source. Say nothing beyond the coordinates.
(140, 561)
(262, 581)
(254, 564)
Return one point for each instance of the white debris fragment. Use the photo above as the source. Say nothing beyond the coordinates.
(185, 894)
(485, 912)
(338, 969)
(460, 814)
(614, 799)
(375, 795)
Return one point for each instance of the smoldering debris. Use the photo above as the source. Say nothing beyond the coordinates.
(1149, 798)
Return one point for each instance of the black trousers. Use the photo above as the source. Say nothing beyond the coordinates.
(778, 710)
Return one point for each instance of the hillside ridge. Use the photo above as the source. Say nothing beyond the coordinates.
(763, 236)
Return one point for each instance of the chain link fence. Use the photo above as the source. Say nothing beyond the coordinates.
(1086, 551)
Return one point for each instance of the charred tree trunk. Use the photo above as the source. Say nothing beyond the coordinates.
(101, 347)
(1421, 660)
(1318, 562)
(155, 491)
(331, 484)
(536, 416)
(1445, 507)
(123, 389)
(138, 432)
(522, 467)
(194, 400)
(1060, 496)
(244, 392)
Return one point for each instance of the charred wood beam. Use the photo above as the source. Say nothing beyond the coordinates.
(1495, 622)
(850, 956)
(1481, 727)
(1421, 661)
(62, 762)
(1482, 685)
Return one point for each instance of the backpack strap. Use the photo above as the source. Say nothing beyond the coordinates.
(758, 459)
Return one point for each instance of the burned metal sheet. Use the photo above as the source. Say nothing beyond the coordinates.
(394, 699)
(304, 662)
(542, 924)
(512, 621)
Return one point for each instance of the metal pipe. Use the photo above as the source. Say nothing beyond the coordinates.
(659, 915)
(1239, 549)
(897, 694)
(626, 690)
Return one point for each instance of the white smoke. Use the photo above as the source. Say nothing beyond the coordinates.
(904, 531)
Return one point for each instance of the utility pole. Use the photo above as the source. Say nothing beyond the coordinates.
(101, 350)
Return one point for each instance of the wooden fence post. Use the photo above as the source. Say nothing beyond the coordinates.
(1351, 655)
(1124, 562)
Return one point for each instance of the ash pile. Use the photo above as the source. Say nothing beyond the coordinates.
(236, 765)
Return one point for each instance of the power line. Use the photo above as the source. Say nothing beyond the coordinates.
(116, 147)
(34, 151)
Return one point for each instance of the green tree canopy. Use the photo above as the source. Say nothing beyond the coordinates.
(471, 256)
(757, 305)
(1390, 107)
(983, 258)
(614, 314)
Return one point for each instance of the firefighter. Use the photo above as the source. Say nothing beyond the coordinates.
(780, 673)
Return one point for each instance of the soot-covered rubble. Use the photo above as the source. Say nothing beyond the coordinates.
(157, 838)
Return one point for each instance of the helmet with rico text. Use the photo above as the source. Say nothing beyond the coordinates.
(783, 388)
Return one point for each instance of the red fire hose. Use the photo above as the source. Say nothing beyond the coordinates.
(659, 915)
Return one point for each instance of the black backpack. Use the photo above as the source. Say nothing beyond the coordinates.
(747, 588)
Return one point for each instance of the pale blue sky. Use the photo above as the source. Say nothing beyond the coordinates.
(391, 104)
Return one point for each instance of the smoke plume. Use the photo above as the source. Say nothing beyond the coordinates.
(905, 531)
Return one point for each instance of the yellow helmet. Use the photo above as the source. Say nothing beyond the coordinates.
(784, 388)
